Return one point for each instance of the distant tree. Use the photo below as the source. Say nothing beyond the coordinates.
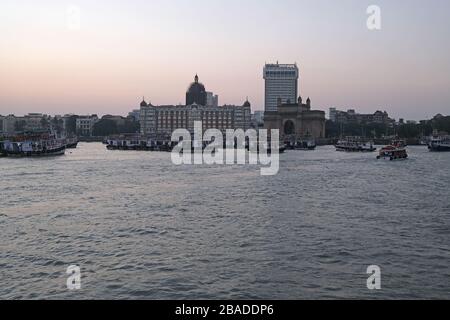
(105, 127)
(409, 130)
(130, 126)
(441, 124)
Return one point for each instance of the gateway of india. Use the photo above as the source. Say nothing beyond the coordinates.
(284, 107)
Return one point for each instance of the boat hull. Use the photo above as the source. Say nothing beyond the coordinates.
(48, 153)
(393, 157)
(350, 149)
(72, 145)
(439, 148)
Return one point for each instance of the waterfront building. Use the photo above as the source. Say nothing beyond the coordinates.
(85, 125)
(9, 124)
(281, 82)
(36, 122)
(31, 122)
(161, 121)
(351, 116)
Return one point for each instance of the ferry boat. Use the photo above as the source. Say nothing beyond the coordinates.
(34, 145)
(354, 144)
(439, 143)
(393, 152)
(137, 143)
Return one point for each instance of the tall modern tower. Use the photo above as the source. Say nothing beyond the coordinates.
(281, 83)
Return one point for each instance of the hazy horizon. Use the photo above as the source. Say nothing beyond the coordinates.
(125, 50)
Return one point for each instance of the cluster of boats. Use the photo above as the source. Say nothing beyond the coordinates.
(139, 143)
(38, 144)
(42, 144)
(395, 151)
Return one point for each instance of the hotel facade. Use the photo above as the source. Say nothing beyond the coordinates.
(161, 121)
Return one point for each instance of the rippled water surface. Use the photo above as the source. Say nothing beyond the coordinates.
(142, 228)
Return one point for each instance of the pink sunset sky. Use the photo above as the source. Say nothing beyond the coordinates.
(124, 50)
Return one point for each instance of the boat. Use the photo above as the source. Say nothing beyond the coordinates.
(2, 151)
(34, 145)
(439, 144)
(354, 144)
(137, 143)
(71, 142)
(306, 144)
(393, 152)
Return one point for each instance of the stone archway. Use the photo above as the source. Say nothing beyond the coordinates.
(289, 128)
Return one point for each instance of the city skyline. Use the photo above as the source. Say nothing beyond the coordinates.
(123, 51)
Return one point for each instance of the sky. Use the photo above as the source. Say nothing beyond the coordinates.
(123, 50)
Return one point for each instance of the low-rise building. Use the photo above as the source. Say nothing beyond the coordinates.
(351, 116)
(9, 124)
(85, 125)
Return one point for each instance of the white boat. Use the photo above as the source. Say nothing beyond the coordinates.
(439, 143)
(354, 144)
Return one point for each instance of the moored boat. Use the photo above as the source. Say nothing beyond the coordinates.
(34, 145)
(439, 144)
(2, 151)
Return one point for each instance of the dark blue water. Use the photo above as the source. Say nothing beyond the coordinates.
(142, 228)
